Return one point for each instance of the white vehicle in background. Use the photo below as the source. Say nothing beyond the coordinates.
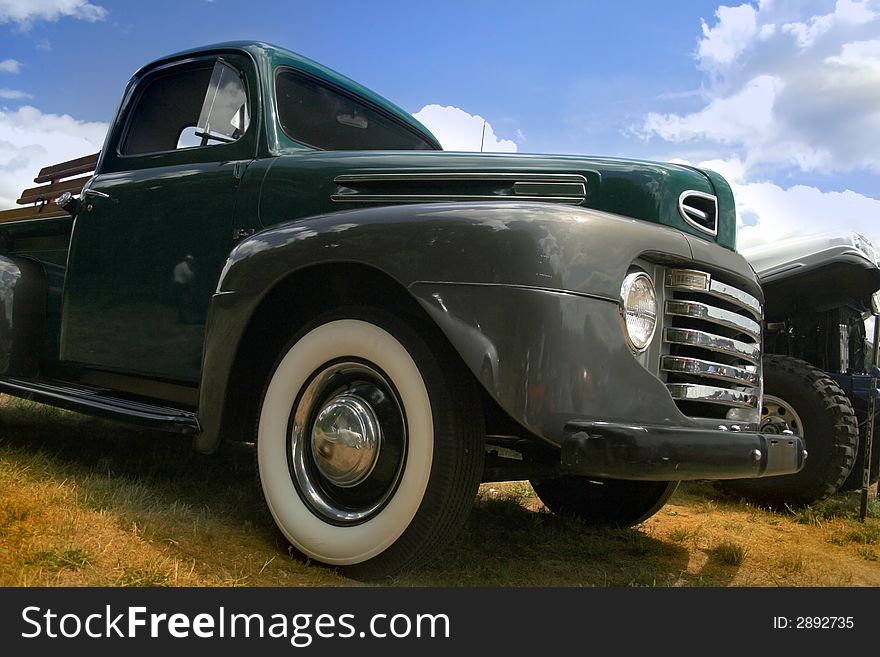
(819, 291)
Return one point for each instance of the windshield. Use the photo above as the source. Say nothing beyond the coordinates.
(322, 117)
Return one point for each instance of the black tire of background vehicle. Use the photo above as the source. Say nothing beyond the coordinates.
(610, 502)
(440, 467)
(830, 432)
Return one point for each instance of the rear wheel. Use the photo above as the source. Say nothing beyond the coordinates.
(369, 443)
(804, 400)
(613, 502)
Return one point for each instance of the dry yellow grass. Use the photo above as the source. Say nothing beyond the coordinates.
(93, 531)
(794, 549)
(87, 502)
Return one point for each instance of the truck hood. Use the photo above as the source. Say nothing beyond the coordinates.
(673, 195)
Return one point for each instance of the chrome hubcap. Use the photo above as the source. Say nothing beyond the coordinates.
(345, 440)
(777, 416)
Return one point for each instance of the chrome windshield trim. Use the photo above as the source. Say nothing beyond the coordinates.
(710, 370)
(712, 342)
(715, 315)
(745, 398)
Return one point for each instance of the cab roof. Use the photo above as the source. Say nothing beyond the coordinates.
(273, 56)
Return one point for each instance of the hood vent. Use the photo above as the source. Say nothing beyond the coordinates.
(700, 210)
(441, 186)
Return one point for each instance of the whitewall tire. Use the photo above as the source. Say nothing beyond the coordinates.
(367, 456)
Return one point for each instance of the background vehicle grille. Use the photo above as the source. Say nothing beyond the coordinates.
(712, 355)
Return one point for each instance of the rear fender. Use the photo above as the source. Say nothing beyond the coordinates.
(23, 290)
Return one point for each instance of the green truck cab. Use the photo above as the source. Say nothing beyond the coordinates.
(269, 252)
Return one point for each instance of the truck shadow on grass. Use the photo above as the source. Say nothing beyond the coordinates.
(206, 511)
(504, 543)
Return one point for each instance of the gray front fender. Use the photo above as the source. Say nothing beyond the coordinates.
(548, 357)
(540, 245)
(569, 255)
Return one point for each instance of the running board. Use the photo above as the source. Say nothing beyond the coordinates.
(95, 401)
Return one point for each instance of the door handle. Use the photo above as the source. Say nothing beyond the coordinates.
(94, 193)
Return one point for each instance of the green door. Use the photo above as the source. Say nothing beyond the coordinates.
(155, 224)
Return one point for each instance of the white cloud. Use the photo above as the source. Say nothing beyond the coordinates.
(858, 55)
(26, 12)
(30, 140)
(721, 44)
(806, 33)
(846, 12)
(14, 94)
(771, 213)
(791, 84)
(10, 66)
(733, 170)
(459, 131)
(748, 111)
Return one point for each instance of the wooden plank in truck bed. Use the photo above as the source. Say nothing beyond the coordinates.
(34, 212)
(44, 196)
(66, 169)
(51, 192)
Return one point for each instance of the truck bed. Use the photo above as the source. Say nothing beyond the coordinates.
(53, 181)
(40, 230)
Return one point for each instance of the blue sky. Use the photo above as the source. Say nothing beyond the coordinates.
(539, 71)
(781, 96)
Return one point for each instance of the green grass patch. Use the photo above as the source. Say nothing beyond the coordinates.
(56, 560)
(867, 553)
(143, 577)
(844, 506)
(793, 563)
(728, 553)
(864, 534)
(681, 534)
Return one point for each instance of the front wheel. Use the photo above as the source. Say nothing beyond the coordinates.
(369, 443)
(612, 502)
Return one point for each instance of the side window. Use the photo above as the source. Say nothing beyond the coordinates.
(187, 107)
(324, 118)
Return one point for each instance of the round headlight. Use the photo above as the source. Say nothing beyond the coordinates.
(638, 310)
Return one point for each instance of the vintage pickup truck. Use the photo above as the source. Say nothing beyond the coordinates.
(269, 251)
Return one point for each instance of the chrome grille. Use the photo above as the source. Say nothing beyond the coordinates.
(712, 351)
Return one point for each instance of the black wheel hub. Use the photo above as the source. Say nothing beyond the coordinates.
(347, 441)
